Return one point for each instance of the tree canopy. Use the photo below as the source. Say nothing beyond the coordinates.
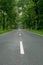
(29, 12)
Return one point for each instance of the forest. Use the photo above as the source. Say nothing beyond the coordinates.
(27, 14)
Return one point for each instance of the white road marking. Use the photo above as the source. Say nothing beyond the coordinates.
(19, 34)
(21, 48)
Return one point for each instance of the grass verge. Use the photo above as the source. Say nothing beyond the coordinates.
(39, 32)
(1, 31)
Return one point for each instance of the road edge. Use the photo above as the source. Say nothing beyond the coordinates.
(34, 33)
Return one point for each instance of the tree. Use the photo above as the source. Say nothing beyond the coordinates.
(8, 6)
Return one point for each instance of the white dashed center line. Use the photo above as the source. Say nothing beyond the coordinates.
(21, 48)
(19, 34)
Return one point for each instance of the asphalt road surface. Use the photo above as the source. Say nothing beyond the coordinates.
(21, 48)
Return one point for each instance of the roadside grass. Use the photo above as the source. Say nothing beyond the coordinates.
(39, 32)
(1, 31)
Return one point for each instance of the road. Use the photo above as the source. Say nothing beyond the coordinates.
(19, 47)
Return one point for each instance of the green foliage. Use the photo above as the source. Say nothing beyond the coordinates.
(8, 7)
(32, 14)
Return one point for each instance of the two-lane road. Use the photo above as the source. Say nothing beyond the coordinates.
(21, 48)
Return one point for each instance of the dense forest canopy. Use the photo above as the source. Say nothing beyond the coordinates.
(28, 12)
